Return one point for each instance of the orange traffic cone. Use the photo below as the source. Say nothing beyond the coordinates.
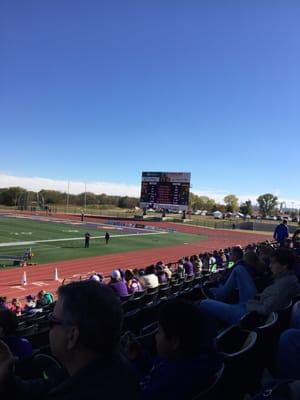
(56, 275)
(24, 279)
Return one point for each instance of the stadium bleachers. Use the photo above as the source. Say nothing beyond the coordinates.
(249, 346)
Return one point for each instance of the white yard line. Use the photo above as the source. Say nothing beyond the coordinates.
(32, 242)
(72, 222)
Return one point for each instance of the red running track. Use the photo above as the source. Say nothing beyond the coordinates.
(42, 276)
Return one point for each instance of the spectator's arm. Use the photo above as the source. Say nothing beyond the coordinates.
(263, 306)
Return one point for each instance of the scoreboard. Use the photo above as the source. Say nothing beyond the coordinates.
(165, 190)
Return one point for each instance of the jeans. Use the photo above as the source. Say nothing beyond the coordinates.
(238, 279)
(228, 313)
(295, 316)
(231, 313)
(289, 354)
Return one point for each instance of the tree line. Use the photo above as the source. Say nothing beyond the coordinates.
(12, 197)
(267, 202)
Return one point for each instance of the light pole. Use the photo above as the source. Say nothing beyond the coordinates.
(68, 196)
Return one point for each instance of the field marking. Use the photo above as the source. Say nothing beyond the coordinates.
(95, 225)
(31, 243)
(18, 287)
(39, 283)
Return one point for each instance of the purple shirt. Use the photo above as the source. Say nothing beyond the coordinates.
(189, 269)
(20, 347)
(119, 287)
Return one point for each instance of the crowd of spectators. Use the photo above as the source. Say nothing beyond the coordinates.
(33, 304)
(94, 352)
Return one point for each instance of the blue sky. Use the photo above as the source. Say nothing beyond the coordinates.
(99, 91)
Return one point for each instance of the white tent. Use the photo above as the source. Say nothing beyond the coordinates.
(217, 214)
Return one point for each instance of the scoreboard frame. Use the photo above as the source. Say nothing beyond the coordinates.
(165, 190)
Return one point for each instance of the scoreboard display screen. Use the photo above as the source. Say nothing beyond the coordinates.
(165, 190)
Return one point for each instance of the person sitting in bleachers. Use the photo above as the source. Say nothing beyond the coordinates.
(16, 306)
(20, 347)
(133, 284)
(85, 338)
(167, 270)
(188, 267)
(150, 279)
(30, 306)
(160, 273)
(211, 262)
(163, 272)
(44, 298)
(118, 284)
(217, 257)
(272, 298)
(223, 258)
(187, 358)
(96, 277)
(260, 272)
(284, 287)
(226, 281)
(180, 270)
(197, 264)
(264, 252)
(3, 303)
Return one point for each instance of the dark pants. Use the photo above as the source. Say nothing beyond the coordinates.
(87, 243)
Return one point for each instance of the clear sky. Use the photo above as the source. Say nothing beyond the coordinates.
(98, 91)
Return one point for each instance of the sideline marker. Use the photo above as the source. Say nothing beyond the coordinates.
(24, 279)
(56, 275)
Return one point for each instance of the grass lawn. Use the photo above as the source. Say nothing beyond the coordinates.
(14, 230)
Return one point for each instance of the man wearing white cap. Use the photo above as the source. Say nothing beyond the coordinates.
(118, 284)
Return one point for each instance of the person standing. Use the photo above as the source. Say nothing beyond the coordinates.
(87, 237)
(107, 237)
(82, 216)
(281, 232)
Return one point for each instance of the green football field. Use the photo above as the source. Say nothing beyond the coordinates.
(55, 241)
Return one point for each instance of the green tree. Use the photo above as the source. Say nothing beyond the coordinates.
(210, 205)
(200, 202)
(246, 207)
(89, 197)
(9, 196)
(104, 199)
(53, 196)
(267, 203)
(2, 195)
(128, 202)
(231, 203)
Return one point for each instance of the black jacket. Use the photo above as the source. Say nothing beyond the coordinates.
(101, 379)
